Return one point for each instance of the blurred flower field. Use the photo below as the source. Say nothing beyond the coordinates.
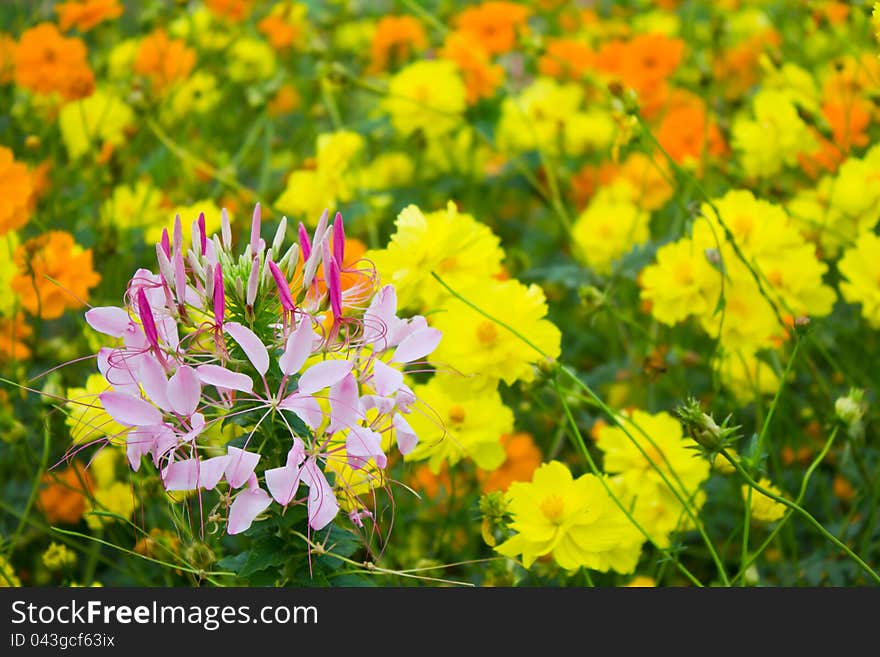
(438, 293)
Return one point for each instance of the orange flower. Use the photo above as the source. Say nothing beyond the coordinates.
(164, 60)
(55, 273)
(523, 458)
(16, 191)
(586, 181)
(425, 481)
(848, 121)
(63, 499)
(7, 58)
(234, 10)
(279, 32)
(86, 14)
(684, 132)
(495, 25)
(567, 59)
(285, 100)
(394, 40)
(737, 69)
(826, 157)
(46, 62)
(13, 332)
(480, 76)
(643, 63)
(39, 182)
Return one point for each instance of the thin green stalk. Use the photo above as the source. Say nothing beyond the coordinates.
(789, 512)
(35, 487)
(806, 515)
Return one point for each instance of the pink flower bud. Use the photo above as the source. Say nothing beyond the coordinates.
(219, 296)
(283, 287)
(146, 315)
(338, 239)
(305, 245)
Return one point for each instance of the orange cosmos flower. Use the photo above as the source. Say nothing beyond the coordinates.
(848, 121)
(164, 60)
(737, 69)
(495, 25)
(395, 39)
(234, 10)
(55, 273)
(285, 100)
(686, 130)
(567, 59)
(523, 458)
(481, 77)
(86, 14)
(63, 498)
(16, 191)
(13, 332)
(279, 30)
(47, 62)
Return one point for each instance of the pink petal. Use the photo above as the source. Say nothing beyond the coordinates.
(128, 410)
(250, 344)
(215, 375)
(137, 443)
(248, 504)
(165, 441)
(406, 437)
(380, 318)
(181, 475)
(298, 347)
(109, 320)
(323, 375)
(386, 380)
(361, 445)
(345, 410)
(184, 391)
(305, 407)
(323, 506)
(118, 367)
(283, 482)
(418, 345)
(155, 385)
(240, 466)
(211, 470)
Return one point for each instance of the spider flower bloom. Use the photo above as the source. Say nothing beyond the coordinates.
(297, 389)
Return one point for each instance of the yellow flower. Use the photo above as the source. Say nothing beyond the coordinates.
(120, 61)
(764, 508)
(188, 214)
(774, 137)
(574, 520)
(681, 283)
(387, 171)
(609, 228)
(94, 122)
(747, 376)
(426, 96)
(134, 206)
(539, 116)
(860, 267)
(202, 27)
(589, 131)
(8, 577)
(86, 416)
(637, 471)
(58, 557)
(479, 347)
(460, 249)
(117, 498)
(454, 420)
(309, 192)
(198, 94)
(251, 60)
(9, 301)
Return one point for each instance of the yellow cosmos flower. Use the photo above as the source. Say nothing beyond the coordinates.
(92, 123)
(454, 421)
(460, 249)
(574, 520)
(763, 508)
(476, 346)
(427, 96)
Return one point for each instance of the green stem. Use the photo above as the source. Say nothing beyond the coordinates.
(35, 487)
(789, 512)
(806, 515)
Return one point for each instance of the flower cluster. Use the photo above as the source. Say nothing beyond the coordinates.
(271, 341)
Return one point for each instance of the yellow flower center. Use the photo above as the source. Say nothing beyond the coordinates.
(487, 333)
(456, 414)
(683, 273)
(743, 225)
(553, 507)
(448, 264)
